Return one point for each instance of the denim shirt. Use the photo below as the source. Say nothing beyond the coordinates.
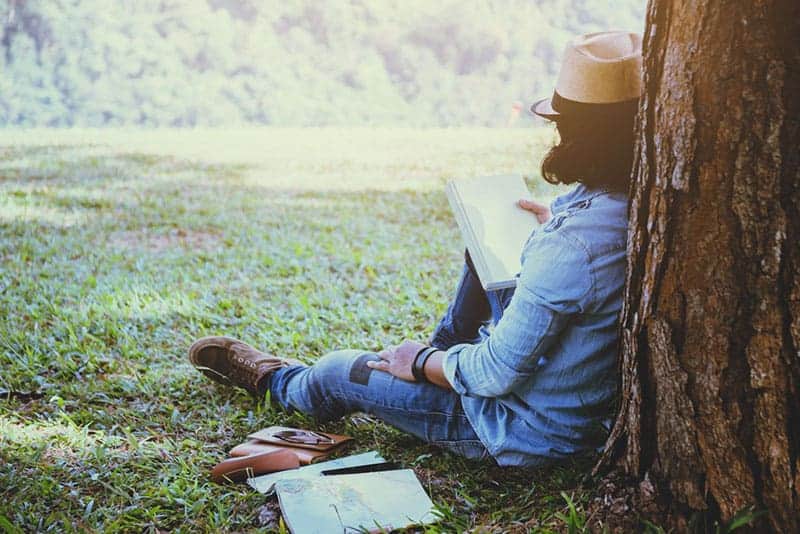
(540, 387)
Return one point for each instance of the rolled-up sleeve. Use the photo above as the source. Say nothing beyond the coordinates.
(554, 285)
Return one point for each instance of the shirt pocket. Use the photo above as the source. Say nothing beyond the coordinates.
(557, 220)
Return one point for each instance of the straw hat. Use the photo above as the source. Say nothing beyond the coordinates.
(600, 72)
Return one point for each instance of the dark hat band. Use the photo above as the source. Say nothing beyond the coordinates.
(565, 106)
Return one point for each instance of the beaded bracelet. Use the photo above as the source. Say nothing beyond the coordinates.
(418, 367)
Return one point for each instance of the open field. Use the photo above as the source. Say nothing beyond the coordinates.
(118, 248)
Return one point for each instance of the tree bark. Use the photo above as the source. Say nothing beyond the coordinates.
(710, 327)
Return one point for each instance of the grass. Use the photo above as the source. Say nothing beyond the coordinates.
(120, 248)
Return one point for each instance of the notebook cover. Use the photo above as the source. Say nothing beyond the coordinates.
(493, 226)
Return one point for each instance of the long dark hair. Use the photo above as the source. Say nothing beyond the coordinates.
(595, 149)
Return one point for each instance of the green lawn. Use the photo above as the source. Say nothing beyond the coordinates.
(119, 248)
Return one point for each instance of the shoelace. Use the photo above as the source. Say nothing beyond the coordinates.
(249, 365)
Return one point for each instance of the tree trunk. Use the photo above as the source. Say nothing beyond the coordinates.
(711, 322)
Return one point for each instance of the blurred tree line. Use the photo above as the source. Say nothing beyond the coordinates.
(292, 63)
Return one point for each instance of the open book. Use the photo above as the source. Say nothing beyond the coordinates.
(494, 228)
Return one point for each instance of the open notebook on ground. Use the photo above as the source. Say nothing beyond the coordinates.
(494, 228)
(367, 502)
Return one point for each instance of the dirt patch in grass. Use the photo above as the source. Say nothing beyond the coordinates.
(620, 505)
(164, 241)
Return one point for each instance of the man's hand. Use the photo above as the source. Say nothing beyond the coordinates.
(541, 211)
(397, 361)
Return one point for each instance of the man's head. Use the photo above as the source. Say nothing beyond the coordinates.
(594, 106)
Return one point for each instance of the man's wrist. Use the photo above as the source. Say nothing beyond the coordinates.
(418, 366)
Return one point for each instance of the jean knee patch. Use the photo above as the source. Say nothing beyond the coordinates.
(360, 371)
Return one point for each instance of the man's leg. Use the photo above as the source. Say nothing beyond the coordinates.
(341, 383)
(499, 300)
(470, 311)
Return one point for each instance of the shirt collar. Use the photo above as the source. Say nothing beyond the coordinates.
(579, 193)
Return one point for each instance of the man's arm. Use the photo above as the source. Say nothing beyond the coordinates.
(552, 288)
(434, 371)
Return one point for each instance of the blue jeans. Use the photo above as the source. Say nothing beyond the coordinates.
(341, 383)
(472, 310)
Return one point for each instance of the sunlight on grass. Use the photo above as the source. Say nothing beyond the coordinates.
(13, 212)
(61, 438)
(140, 302)
(349, 159)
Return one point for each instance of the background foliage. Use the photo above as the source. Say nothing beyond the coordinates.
(296, 63)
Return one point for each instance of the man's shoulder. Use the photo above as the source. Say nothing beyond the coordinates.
(556, 267)
(594, 225)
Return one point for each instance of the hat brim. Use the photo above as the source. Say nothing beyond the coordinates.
(544, 108)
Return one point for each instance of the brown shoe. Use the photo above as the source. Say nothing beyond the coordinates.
(231, 362)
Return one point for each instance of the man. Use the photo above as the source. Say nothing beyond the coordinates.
(539, 386)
